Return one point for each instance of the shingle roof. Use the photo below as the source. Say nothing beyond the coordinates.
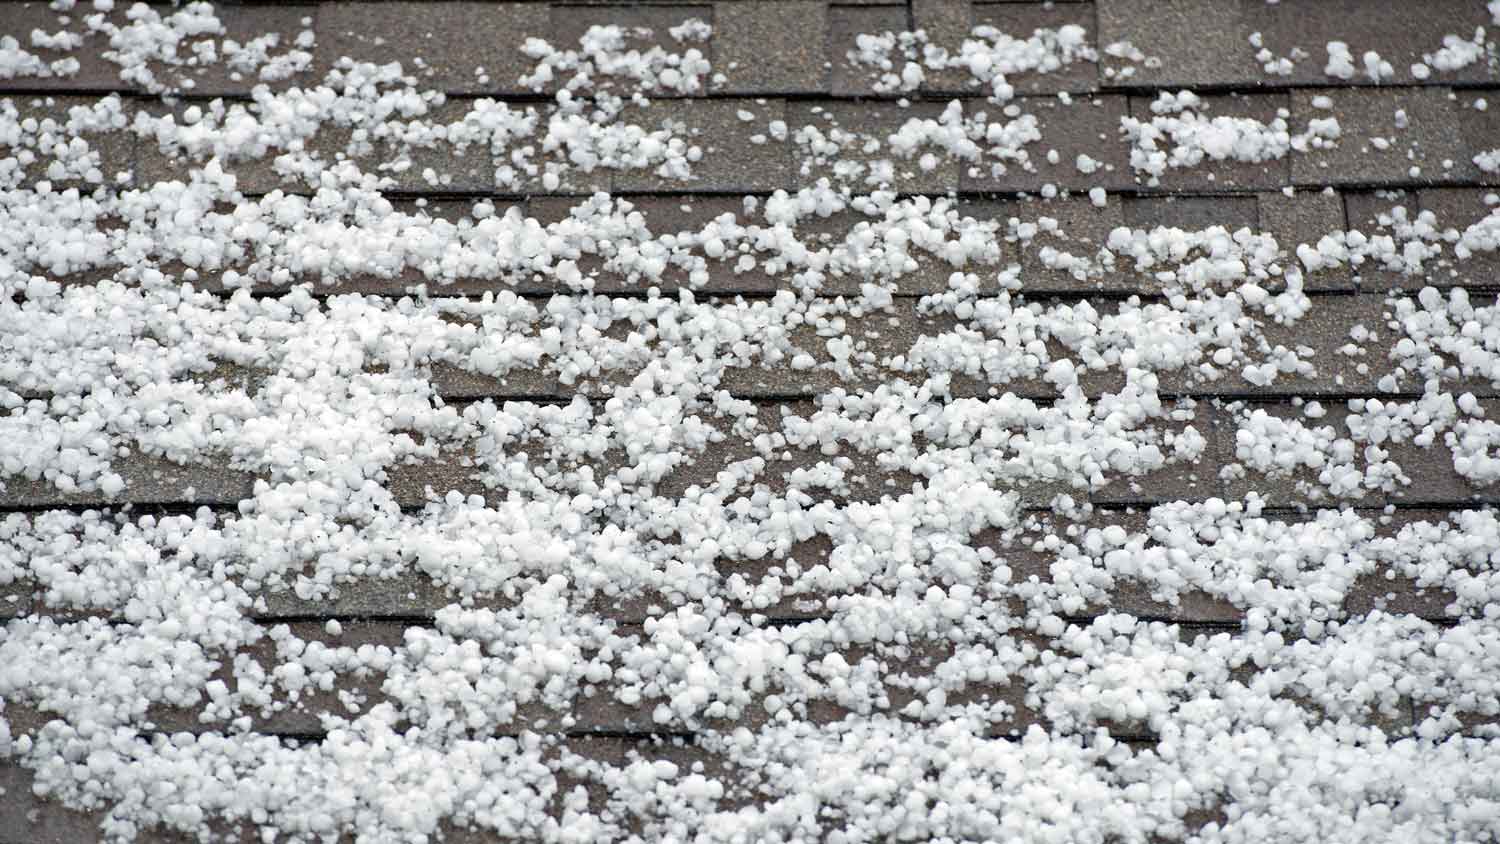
(1409, 141)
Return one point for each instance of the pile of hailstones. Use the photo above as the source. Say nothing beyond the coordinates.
(882, 612)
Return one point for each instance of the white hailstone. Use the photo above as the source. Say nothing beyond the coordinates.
(1340, 61)
(1377, 68)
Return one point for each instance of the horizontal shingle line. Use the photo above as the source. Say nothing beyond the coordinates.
(686, 193)
(976, 94)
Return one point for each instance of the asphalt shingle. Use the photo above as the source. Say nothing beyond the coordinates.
(1430, 476)
(1179, 477)
(1191, 213)
(94, 73)
(1087, 126)
(1186, 42)
(443, 45)
(791, 52)
(1072, 226)
(1480, 129)
(1306, 217)
(148, 480)
(645, 27)
(115, 149)
(1387, 135)
(845, 24)
(1374, 213)
(1458, 209)
(242, 24)
(1402, 33)
(947, 23)
(720, 129)
(866, 125)
(744, 52)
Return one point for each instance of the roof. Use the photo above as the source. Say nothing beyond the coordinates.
(783, 420)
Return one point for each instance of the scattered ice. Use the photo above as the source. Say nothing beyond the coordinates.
(850, 599)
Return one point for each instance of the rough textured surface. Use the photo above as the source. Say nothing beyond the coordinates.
(845, 24)
(1196, 42)
(721, 129)
(1431, 149)
(1385, 26)
(440, 45)
(799, 62)
(1084, 128)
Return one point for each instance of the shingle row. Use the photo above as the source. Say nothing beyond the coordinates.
(1429, 473)
(1083, 229)
(1390, 138)
(453, 45)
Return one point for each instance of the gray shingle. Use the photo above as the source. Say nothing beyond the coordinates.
(115, 148)
(1298, 487)
(868, 122)
(1028, 560)
(673, 215)
(460, 213)
(1191, 213)
(410, 482)
(1372, 148)
(947, 24)
(930, 276)
(1400, 31)
(303, 715)
(729, 162)
(157, 163)
(1086, 126)
(148, 480)
(413, 594)
(1323, 337)
(459, 384)
(41, 821)
(243, 23)
(1081, 230)
(1198, 42)
(772, 47)
(570, 22)
(1177, 480)
(1432, 477)
(1374, 213)
(1480, 129)
(1396, 595)
(17, 598)
(1305, 217)
(1471, 720)
(845, 24)
(864, 478)
(441, 44)
(793, 604)
(1459, 208)
(438, 166)
(95, 73)
(884, 335)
